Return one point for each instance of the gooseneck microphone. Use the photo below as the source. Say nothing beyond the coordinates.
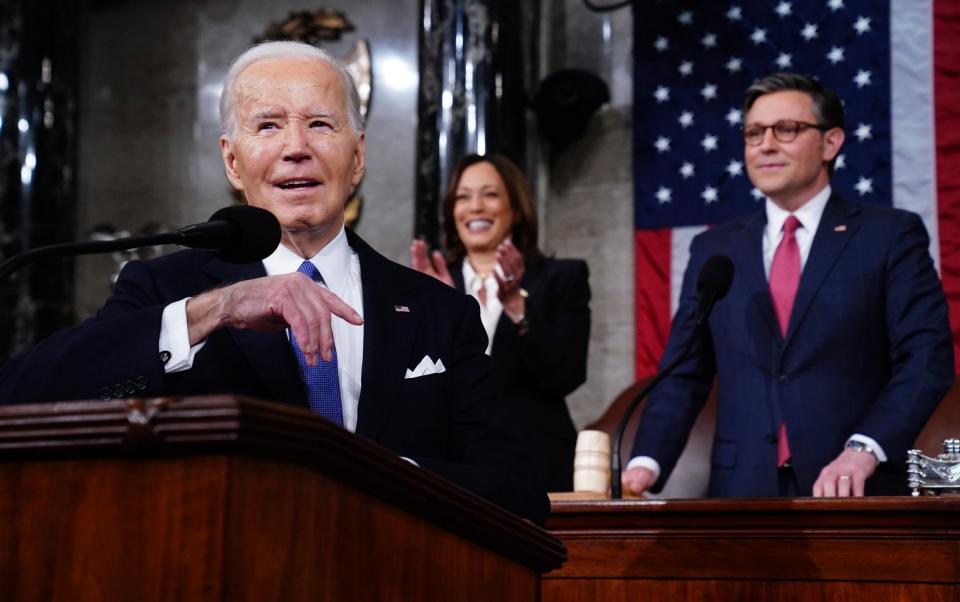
(713, 283)
(238, 234)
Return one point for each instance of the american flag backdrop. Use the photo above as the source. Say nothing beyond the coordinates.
(894, 63)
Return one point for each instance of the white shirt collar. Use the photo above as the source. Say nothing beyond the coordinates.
(809, 214)
(333, 261)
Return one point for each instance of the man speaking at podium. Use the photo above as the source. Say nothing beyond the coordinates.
(831, 349)
(324, 321)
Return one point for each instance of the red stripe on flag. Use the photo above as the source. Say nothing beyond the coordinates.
(946, 58)
(652, 250)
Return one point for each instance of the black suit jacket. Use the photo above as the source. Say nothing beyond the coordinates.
(454, 423)
(538, 369)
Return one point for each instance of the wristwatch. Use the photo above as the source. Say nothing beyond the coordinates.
(522, 323)
(859, 446)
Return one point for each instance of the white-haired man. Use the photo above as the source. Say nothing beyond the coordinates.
(324, 320)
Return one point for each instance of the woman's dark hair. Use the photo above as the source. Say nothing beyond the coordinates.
(523, 233)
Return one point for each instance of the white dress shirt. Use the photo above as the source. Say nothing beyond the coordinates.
(490, 311)
(809, 217)
(340, 268)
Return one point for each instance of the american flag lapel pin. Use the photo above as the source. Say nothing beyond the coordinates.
(840, 228)
(401, 309)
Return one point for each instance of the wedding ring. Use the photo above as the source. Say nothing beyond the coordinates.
(844, 476)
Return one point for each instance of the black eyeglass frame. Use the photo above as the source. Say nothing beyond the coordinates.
(799, 125)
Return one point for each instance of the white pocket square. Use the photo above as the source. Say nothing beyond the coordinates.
(426, 367)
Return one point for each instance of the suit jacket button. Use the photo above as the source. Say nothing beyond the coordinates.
(782, 379)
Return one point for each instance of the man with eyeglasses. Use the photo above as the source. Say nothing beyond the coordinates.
(831, 349)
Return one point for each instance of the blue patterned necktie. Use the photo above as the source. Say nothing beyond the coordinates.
(322, 381)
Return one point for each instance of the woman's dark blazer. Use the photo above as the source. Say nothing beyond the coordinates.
(539, 368)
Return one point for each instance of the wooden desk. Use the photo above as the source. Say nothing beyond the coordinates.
(222, 498)
(876, 549)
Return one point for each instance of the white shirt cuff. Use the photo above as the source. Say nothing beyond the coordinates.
(877, 450)
(645, 462)
(175, 338)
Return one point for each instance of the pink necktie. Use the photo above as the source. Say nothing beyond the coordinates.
(784, 280)
(785, 273)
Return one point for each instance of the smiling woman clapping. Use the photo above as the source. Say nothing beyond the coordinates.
(535, 309)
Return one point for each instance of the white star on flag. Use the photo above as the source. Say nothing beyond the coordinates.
(809, 31)
(686, 119)
(735, 13)
(710, 195)
(864, 185)
(734, 167)
(835, 5)
(709, 40)
(783, 9)
(661, 44)
(835, 55)
(862, 78)
(685, 18)
(686, 68)
(784, 60)
(734, 116)
(758, 36)
(687, 170)
(662, 144)
(863, 132)
(840, 162)
(756, 194)
(862, 25)
(734, 64)
(662, 94)
(709, 92)
(663, 195)
(709, 143)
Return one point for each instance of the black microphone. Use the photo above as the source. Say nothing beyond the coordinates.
(239, 234)
(713, 283)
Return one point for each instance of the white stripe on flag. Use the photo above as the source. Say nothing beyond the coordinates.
(680, 240)
(914, 141)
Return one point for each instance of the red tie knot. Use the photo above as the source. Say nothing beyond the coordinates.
(790, 226)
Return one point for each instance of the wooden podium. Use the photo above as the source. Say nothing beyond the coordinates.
(222, 498)
(869, 549)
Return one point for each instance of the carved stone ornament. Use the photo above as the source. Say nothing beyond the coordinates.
(935, 476)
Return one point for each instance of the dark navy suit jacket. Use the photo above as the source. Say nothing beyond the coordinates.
(868, 350)
(455, 423)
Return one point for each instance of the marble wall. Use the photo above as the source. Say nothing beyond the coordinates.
(151, 72)
(586, 192)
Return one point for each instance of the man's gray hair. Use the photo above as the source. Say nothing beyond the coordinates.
(280, 50)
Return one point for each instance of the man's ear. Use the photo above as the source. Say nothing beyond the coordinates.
(832, 141)
(230, 162)
(359, 160)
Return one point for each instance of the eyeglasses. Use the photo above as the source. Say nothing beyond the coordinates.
(783, 131)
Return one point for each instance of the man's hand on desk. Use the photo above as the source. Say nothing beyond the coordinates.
(273, 303)
(637, 480)
(846, 475)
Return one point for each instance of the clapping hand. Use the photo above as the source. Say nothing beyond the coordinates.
(431, 264)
